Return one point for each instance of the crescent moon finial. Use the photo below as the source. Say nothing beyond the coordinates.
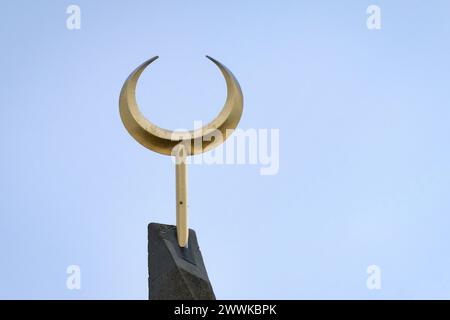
(180, 144)
(162, 140)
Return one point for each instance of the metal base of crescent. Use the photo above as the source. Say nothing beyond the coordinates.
(175, 273)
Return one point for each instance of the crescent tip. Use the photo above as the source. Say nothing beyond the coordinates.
(217, 63)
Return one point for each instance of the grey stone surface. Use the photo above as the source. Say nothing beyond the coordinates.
(175, 273)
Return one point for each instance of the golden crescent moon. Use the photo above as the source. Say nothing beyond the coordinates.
(162, 140)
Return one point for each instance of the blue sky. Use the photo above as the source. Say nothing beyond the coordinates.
(364, 159)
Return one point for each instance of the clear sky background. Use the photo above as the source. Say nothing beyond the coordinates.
(363, 116)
